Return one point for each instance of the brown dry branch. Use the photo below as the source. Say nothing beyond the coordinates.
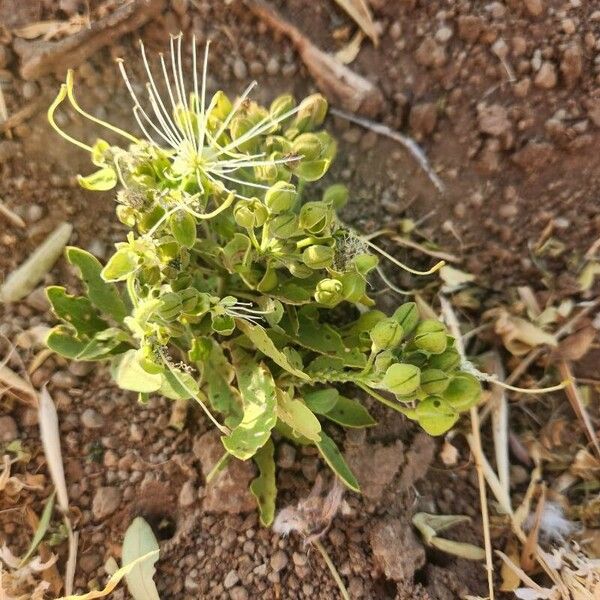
(340, 84)
(43, 57)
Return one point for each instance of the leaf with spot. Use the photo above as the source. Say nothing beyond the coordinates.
(218, 373)
(259, 403)
(259, 337)
(178, 385)
(333, 457)
(101, 181)
(435, 415)
(77, 311)
(264, 487)
(103, 344)
(298, 417)
(101, 294)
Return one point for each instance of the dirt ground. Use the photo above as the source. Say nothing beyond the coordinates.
(504, 98)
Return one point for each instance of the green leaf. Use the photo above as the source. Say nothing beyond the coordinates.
(312, 170)
(257, 388)
(41, 530)
(462, 392)
(264, 488)
(218, 374)
(333, 457)
(99, 150)
(298, 416)
(139, 541)
(129, 374)
(77, 311)
(178, 385)
(61, 340)
(103, 344)
(102, 295)
(183, 228)
(259, 337)
(123, 262)
(435, 415)
(101, 181)
(321, 401)
(350, 413)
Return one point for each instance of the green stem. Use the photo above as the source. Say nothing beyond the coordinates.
(334, 572)
(408, 412)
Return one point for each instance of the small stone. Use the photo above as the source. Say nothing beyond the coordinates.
(272, 67)
(106, 501)
(430, 54)
(571, 65)
(238, 593)
(279, 561)
(521, 88)
(187, 495)
(33, 213)
(136, 433)
(497, 10)
(91, 419)
(568, 26)
(8, 429)
(500, 49)
(493, 120)
(90, 562)
(534, 7)
(239, 69)
(231, 579)
(286, 456)
(423, 119)
(519, 45)
(30, 90)
(81, 368)
(469, 27)
(444, 34)
(534, 155)
(300, 559)
(546, 77)
(38, 300)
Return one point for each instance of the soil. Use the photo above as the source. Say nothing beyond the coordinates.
(505, 100)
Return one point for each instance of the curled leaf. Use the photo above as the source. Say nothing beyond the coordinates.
(140, 541)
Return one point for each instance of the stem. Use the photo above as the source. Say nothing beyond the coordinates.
(131, 289)
(407, 412)
(332, 569)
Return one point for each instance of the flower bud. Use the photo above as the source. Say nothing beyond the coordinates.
(312, 112)
(240, 126)
(318, 257)
(435, 415)
(448, 360)
(402, 379)
(336, 195)
(386, 335)
(308, 146)
(284, 226)
(462, 392)
(221, 106)
(315, 217)
(183, 228)
(408, 316)
(355, 286)
(250, 213)
(434, 381)
(431, 336)
(281, 197)
(281, 105)
(329, 292)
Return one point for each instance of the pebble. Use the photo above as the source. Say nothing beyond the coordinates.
(423, 119)
(239, 69)
(568, 26)
(272, 67)
(187, 495)
(571, 65)
(106, 501)
(30, 90)
(91, 419)
(136, 433)
(8, 429)
(238, 593)
(521, 88)
(5, 56)
(286, 456)
(444, 34)
(534, 7)
(469, 27)
(231, 579)
(90, 562)
(38, 300)
(546, 77)
(279, 561)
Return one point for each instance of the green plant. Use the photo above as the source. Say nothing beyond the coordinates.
(226, 286)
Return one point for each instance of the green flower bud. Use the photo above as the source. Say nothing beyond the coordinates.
(336, 195)
(308, 146)
(189, 299)
(462, 392)
(170, 306)
(408, 316)
(448, 360)
(318, 257)
(355, 286)
(183, 228)
(250, 213)
(402, 379)
(434, 381)
(312, 112)
(315, 217)
(281, 197)
(299, 270)
(221, 106)
(284, 226)
(266, 172)
(240, 126)
(435, 415)
(431, 336)
(383, 361)
(126, 215)
(386, 335)
(281, 105)
(223, 324)
(329, 292)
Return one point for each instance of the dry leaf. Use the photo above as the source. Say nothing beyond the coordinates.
(360, 12)
(454, 278)
(519, 336)
(578, 344)
(39, 29)
(350, 51)
(16, 386)
(27, 276)
(588, 275)
(449, 454)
